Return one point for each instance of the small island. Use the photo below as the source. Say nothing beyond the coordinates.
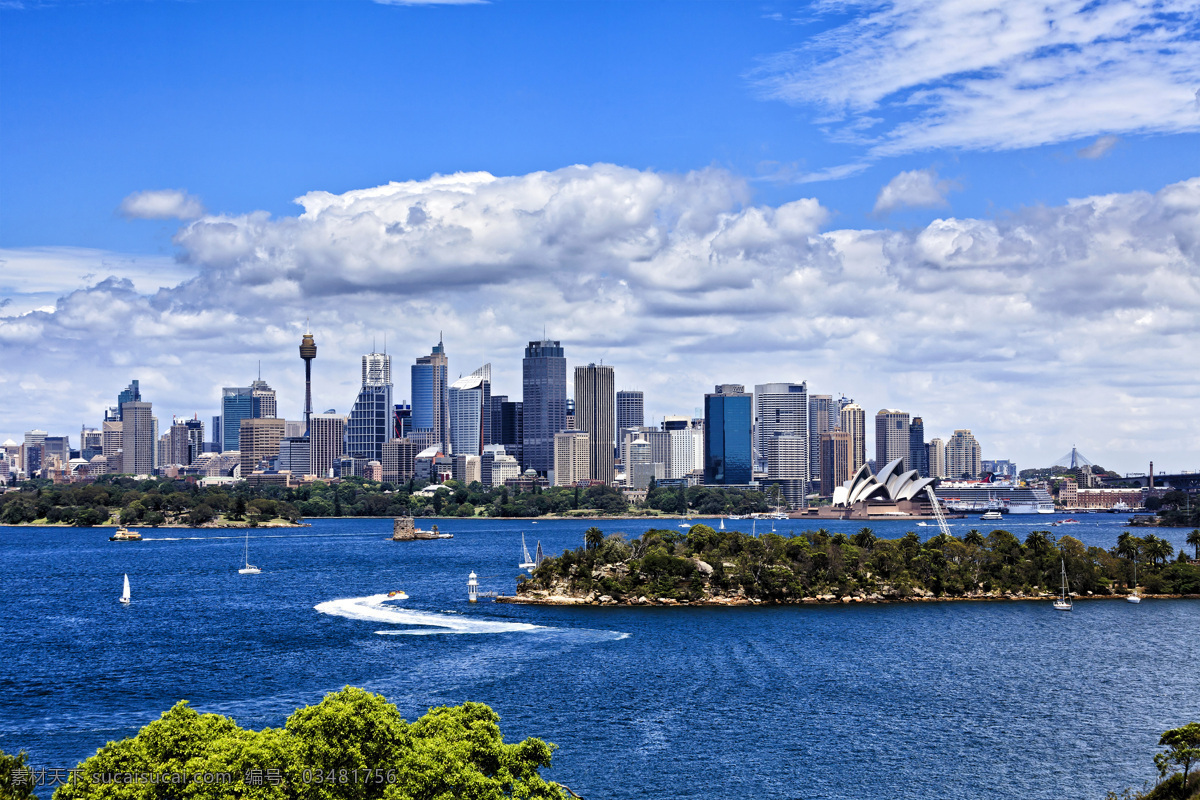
(703, 566)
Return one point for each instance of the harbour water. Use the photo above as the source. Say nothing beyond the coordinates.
(942, 700)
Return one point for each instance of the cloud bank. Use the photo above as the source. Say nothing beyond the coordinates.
(915, 75)
(1041, 328)
(918, 188)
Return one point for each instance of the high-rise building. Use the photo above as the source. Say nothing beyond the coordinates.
(178, 449)
(470, 401)
(963, 456)
(544, 410)
(507, 427)
(138, 437)
(640, 465)
(728, 416)
(237, 403)
(918, 458)
(265, 397)
(936, 450)
(402, 420)
(295, 455)
(782, 408)
(132, 393)
(836, 457)
(821, 420)
(398, 458)
(326, 434)
(891, 438)
(91, 443)
(370, 422)
(630, 411)
(431, 395)
(112, 444)
(595, 413)
(572, 457)
(308, 351)
(260, 438)
(854, 423)
(787, 460)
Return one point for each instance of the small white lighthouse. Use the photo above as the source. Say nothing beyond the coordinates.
(473, 588)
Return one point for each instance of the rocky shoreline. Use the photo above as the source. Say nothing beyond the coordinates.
(543, 597)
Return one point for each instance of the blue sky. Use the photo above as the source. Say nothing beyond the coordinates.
(991, 117)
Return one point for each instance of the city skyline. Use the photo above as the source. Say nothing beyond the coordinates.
(955, 240)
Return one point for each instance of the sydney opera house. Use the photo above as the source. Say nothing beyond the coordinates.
(891, 493)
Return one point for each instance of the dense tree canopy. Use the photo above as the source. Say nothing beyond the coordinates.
(353, 745)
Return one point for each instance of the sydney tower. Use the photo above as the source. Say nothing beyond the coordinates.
(308, 351)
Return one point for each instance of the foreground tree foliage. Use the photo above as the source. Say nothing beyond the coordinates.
(353, 745)
(1177, 763)
(688, 565)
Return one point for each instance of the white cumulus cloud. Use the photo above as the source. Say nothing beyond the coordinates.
(161, 204)
(918, 188)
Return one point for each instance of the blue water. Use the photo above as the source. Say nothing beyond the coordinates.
(946, 700)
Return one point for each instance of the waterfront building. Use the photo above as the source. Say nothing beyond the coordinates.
(854, 422)
(937, 458)
(596, 416)
(470, 400)
(837, 456)
(431, 394)
(782, 409)
(728, 414)
(821, 419)
(630, 411)
(260, 438)
(572, 457)
(399, 457)
(138, 437)
(544, 413)
(326, 433)
(308, 352)
(891, 438)
(962, 455)
(918, 457)
(370, 421)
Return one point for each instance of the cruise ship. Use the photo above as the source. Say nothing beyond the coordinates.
(1007, 497)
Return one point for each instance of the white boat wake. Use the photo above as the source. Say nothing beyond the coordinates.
(377, 608)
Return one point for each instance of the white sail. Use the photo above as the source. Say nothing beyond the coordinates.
(249, 569)
(125, 592)
(527, 562)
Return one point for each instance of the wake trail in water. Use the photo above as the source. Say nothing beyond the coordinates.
(376, 608)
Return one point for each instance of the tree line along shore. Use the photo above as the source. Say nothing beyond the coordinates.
(703, 566)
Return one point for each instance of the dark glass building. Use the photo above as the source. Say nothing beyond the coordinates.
(544, 412)
(728, 415)
(918, 456)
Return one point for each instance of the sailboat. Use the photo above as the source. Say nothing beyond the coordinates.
(527, 560)
(1063, 603)
(1134, 597)
(538, 557)
(722, 524)
(125, 593)
(249, 569)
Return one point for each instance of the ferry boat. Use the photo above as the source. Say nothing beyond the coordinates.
(992, 516)
(123, 534)
(1006, 496)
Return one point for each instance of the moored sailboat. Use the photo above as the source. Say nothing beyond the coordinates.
(1063, 603)
(249, 569)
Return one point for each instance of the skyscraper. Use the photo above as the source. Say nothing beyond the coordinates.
(308, 351)
(237, 403)
(470, 400)
(821, 420)
(836, 457)
(264, 396)
(431, 395)
(595, 413)
(138, 438)
(782, 409)
(937, 458)
(854, 423)
(370, 421)
(326, 435)
(963, 456)
(508, 427)
(918, 458)
(572, 457)
(728, 414)
(544, 405)
(260, 438)
(630, 411)
(132, 393)
(891, 438)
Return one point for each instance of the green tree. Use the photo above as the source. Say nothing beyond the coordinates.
(865, 538)
(593, 537)
(1183, 750)
(449, 752)
(13, 785)
(1193, 539)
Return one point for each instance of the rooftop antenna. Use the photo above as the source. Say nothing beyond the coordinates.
(385, 344)
(260, 369)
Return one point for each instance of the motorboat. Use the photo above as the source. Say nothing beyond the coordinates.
(123, 534)
(991, 516)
